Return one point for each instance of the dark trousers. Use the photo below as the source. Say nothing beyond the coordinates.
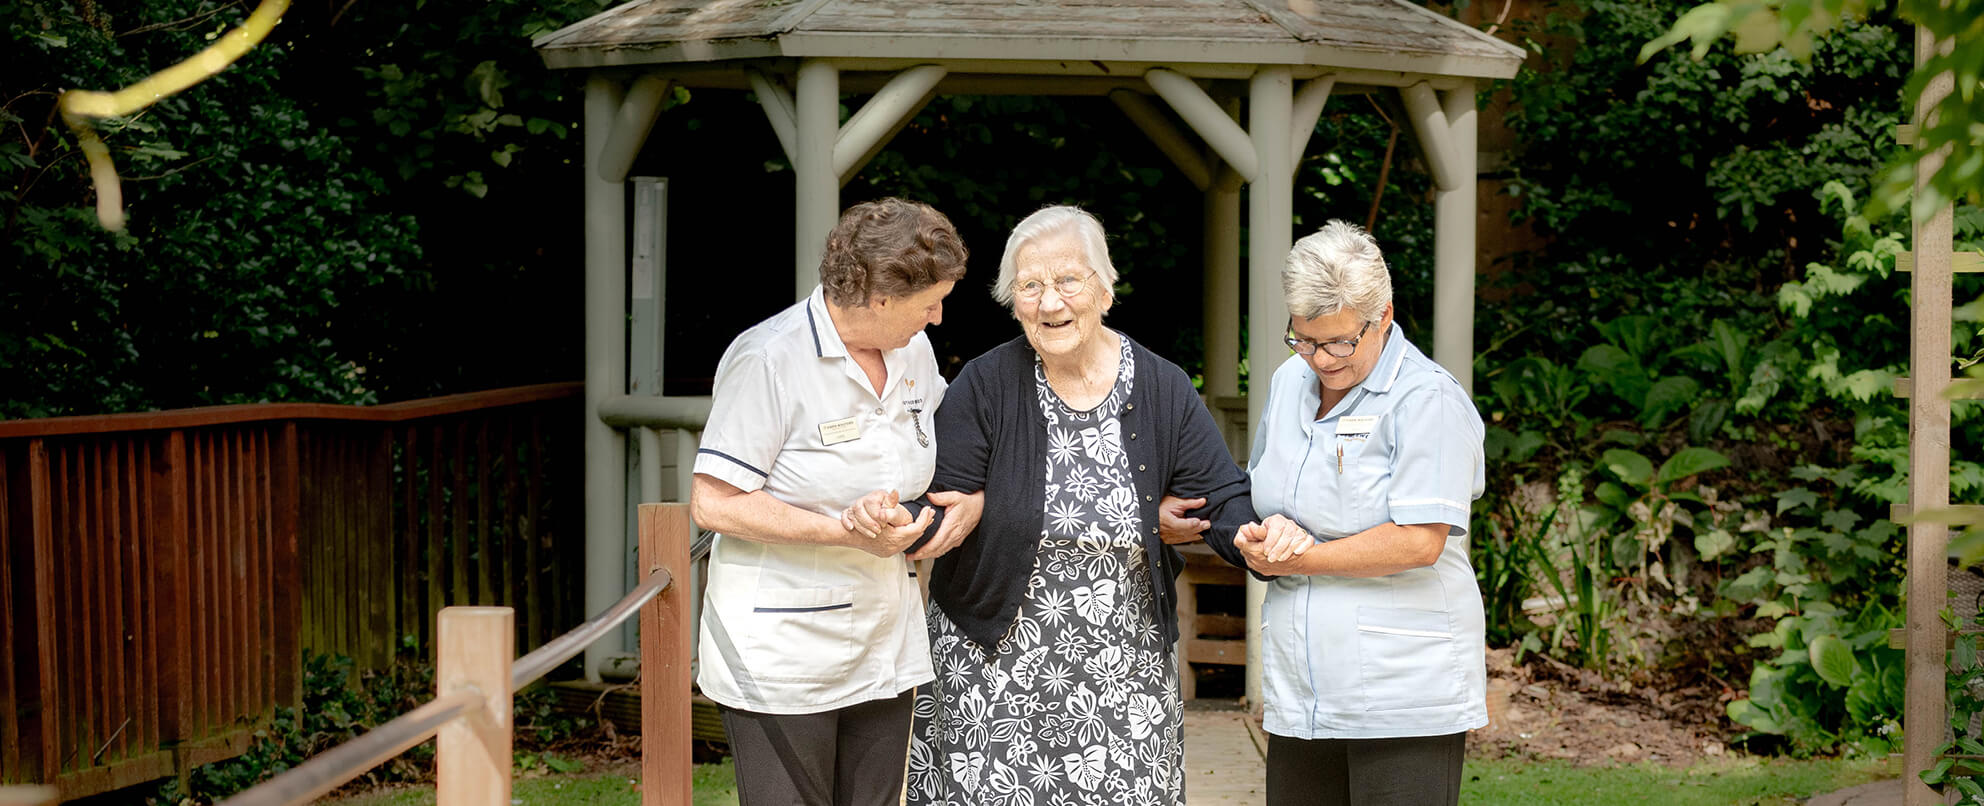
(1413, 771)
(850, 757)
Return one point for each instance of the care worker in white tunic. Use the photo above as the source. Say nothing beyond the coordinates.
(812, 635)
(1364, 467)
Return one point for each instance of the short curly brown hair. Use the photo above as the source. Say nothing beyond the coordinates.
(889, 248)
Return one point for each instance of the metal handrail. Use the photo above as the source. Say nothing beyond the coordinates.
(323, 773)
(558, 650)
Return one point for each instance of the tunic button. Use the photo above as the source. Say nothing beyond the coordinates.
(1140, 467)
(1146, 498)
(1133, 435)
(879, 412)
(1153, 530)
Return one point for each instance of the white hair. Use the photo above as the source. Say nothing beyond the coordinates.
(1336, 268)
(1052, 222)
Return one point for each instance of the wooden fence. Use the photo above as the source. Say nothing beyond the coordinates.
(162, 574)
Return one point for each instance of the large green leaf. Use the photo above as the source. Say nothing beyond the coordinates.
(1688, 462)
(1832, 659)
(1628, 466)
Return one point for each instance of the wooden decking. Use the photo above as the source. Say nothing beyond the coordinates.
(1225, 756)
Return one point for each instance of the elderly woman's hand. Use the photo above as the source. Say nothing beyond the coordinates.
(961, 512)
(1274, 547)
(1173, 526)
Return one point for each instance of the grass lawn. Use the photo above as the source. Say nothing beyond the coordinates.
(1764, 782)
(1749, 782)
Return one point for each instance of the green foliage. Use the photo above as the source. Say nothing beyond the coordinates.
(245, 242)
(1794, 29)
(341, 703)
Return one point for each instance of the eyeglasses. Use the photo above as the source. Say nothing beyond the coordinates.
(1341, 349)
(1067, 285)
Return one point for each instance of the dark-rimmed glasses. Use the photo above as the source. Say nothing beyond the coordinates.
(1343, 348)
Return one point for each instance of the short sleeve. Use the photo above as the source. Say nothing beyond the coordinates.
(748, 423)
(1437, 471)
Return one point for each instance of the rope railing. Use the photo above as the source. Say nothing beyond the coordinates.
(476, 675)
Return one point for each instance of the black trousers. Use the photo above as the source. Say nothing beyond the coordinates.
(1413, 771)
(850, 757)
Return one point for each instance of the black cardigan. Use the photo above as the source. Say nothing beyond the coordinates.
(991, 436)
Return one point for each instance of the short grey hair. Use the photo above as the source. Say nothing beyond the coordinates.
(1051, 222)
(1336, 268)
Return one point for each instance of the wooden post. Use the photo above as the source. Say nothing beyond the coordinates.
(1925, 716)
(28, 796)
(472, 760)
(666, 634)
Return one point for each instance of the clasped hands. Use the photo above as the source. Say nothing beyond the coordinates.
(879, 524)
(1274, 547)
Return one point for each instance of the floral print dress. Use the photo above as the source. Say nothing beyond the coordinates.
(1079, 706)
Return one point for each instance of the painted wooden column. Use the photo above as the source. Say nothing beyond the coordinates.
(1270, 208)
(606, 361)
(816, 125)
(1925, 710)
(1221, 313)
(1454, 242)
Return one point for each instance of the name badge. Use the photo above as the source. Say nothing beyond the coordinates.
(835, 432)
(1360, 425)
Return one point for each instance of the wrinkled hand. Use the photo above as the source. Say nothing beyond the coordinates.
(1173, 526)
(1272, 546)
(961, 513)
(880, 525)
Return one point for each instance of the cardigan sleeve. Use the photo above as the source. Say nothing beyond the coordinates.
(963, 436)
(1205, 469)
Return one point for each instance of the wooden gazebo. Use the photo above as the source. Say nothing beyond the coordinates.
(1246, 78)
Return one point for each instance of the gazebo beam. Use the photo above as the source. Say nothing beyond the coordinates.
(606, 361)
(816, 185)
(1307, 110)
(1270, 205)
(1430, 122)
(882, 116)
(1203, 114)
(1169, 141)
(631, 124)
(777, 101)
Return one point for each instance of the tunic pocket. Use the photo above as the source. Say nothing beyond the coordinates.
(809, 631)
(1406, 658)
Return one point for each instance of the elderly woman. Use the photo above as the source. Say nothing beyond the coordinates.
(812, 640)
(1052, 624)
(1365, 462)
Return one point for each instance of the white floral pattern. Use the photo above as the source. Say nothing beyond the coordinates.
(1079, 705)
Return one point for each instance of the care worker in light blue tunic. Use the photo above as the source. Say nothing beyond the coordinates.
(1364, 466)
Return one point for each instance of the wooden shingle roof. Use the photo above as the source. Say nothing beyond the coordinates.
(1394, 36)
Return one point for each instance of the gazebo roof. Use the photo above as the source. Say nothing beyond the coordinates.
(1369, 38)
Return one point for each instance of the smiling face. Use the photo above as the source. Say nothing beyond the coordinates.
(896, 320)
(1338, 375)
(1058, 325)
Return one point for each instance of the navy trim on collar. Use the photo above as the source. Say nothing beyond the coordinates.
(815, 327)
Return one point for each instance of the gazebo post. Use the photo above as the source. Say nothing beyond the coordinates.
(816, 184)
(1222, 275)
(1270, 207)
(606, 360)
(1453, 242)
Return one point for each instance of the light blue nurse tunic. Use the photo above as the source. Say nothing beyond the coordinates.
(1392, 656)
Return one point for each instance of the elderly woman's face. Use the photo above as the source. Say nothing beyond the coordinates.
(1340, 374)
(1058, 324)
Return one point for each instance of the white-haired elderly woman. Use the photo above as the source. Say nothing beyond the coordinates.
(1364, 465)
(1052, 624)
